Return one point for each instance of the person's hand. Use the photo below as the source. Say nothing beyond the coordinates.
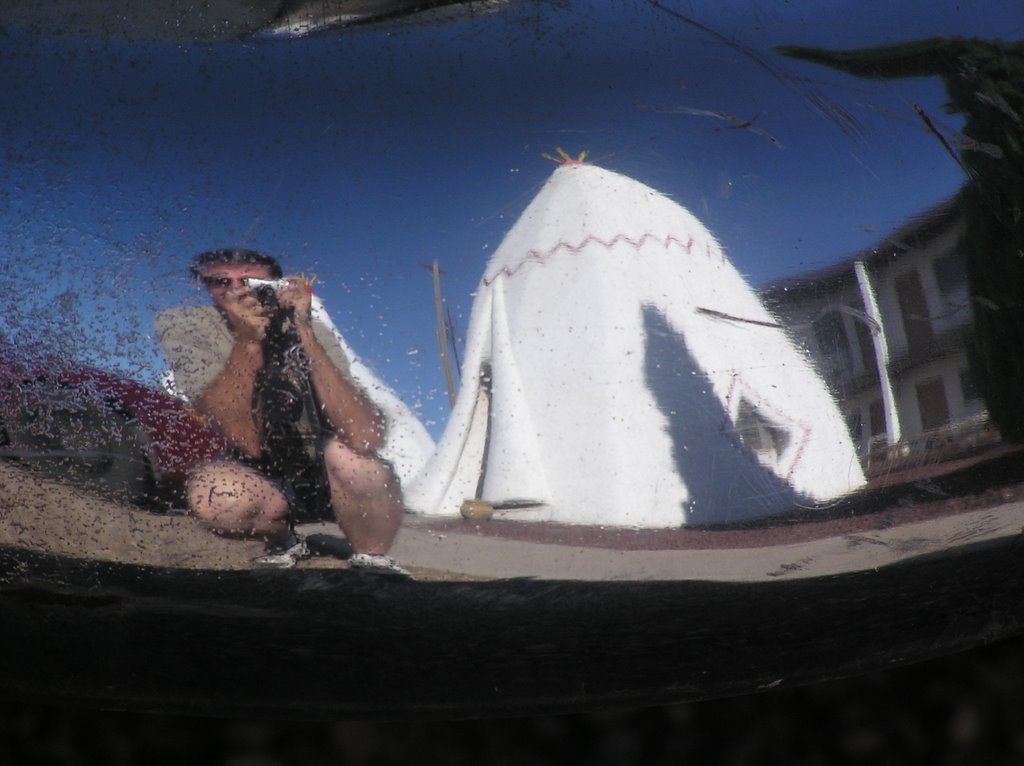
(297, 297)
(248, 317)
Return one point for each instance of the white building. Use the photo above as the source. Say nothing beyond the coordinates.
(888, 329)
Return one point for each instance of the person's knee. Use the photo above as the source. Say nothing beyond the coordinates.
(358, 472)
(235, 501)
(211, 492)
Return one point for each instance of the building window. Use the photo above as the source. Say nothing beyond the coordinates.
(968, 387)
(830, 333)
(876, 417)
(917, 323)
(950, 274)
(932, 403)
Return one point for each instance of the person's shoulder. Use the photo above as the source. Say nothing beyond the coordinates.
(187, 320)
(186, 315)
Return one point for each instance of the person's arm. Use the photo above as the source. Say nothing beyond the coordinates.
(355, 419)
(228, 400)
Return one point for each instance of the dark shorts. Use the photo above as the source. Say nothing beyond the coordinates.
(308, 499)
(306, 490)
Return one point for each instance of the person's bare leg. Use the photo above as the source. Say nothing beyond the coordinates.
(233, 499)
(366, 498)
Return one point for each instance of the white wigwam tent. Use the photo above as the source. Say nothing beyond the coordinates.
(619, 371)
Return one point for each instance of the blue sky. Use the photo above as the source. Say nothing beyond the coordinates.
(361, 155)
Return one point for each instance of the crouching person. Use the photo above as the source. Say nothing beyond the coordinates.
(276, 383)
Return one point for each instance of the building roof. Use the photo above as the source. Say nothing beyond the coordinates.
(915, 233)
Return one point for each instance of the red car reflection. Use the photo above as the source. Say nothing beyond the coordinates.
(99, 431)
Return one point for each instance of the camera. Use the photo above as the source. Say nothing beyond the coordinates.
(265, 290)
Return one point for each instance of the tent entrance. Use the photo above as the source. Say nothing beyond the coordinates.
(766, 438)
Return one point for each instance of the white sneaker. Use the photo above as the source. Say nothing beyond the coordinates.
(376, 563)
(284, 555)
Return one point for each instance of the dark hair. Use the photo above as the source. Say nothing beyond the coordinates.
(233, 255)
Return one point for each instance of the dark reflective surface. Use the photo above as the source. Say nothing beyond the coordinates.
(754, 328)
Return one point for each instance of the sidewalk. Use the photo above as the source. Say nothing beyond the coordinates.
(44, 516)
(459, 550)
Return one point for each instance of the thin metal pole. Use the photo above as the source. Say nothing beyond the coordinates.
(893, 432)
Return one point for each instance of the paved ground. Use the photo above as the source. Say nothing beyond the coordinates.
(46, 516)
(470, 549)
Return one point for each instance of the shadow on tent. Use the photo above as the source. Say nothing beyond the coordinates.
(723, 476)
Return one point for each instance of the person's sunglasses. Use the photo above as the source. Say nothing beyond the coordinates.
(211, 282)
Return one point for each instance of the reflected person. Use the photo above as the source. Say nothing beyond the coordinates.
(275, 381)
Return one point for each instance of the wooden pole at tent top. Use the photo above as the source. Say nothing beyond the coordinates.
(442, 335)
